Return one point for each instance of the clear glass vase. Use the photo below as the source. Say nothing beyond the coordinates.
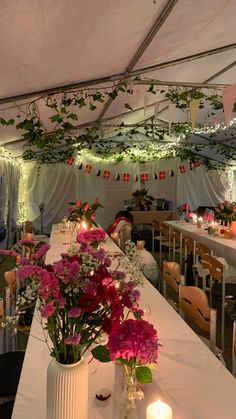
(132, 394)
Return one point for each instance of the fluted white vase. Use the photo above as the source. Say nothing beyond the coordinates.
(67, 390)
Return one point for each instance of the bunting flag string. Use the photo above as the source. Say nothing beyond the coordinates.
(143, 177)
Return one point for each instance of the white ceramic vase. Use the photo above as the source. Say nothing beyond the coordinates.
(67, 390)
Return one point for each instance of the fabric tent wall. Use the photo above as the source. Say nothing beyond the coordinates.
(56, 186)
(9, 188)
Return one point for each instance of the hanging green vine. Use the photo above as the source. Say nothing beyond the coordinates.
(59, 143)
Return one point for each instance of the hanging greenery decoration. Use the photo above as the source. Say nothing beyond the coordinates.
(61, 141)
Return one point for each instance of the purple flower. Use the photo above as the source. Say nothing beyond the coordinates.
(48, 310)
(74, 312)
(73, 340)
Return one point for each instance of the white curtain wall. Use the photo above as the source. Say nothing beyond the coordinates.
(56, 186)
(9, 188)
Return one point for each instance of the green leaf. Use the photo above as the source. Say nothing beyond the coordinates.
(81, 102)
(92, 107)
(113, 94)
(143, 375)
(56, 118)
(101, 353)
(127, 106)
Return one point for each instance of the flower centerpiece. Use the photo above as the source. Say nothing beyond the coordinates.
(79, 298)
(226, 211)
(141, 200)
(134, 344)
(83, 211)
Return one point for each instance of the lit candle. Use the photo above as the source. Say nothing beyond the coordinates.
(158, 410)
(84, 225)
(194, 218)
(199, 222)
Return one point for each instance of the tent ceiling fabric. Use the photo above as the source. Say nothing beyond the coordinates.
(47, 44)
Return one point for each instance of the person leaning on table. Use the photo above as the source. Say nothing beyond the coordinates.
(122, 218)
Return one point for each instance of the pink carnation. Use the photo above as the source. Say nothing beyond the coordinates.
(74, 312)
(48, 310)
(41, 251)
(134, 338)
(9, 253)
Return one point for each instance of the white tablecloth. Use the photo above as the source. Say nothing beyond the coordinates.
(224, 248)
(188, 375)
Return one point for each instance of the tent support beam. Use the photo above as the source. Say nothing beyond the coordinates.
(144, 45)
(181, 84)
(214, 76)
(116, 77)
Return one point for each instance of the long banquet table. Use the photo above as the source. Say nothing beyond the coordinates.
(225, 248)
(188, 376)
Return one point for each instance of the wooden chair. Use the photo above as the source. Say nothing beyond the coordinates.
(193, 303)
(28, 227)
(216, 271)
(177, 244)
(173, 278)
(164, 237)
(234, 349)
(200, 249)
(124, 235)
(188, 246)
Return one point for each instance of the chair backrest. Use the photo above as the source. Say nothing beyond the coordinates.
(214, 266)
(194, 303)
(188, 244)
(10, 279)
(172, 275)
(124, 235)
(234, 349)
(28, 227)
(202, 249)
(176, 234)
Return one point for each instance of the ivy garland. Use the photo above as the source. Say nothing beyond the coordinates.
(60, 143)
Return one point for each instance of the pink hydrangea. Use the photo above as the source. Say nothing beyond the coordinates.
(134, 339)
(91, 235)
(73, 340)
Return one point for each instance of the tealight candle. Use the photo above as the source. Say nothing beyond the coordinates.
(158, 410)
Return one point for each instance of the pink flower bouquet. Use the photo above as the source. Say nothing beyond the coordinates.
(134, 343)
(78, 298)
(226, 211)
